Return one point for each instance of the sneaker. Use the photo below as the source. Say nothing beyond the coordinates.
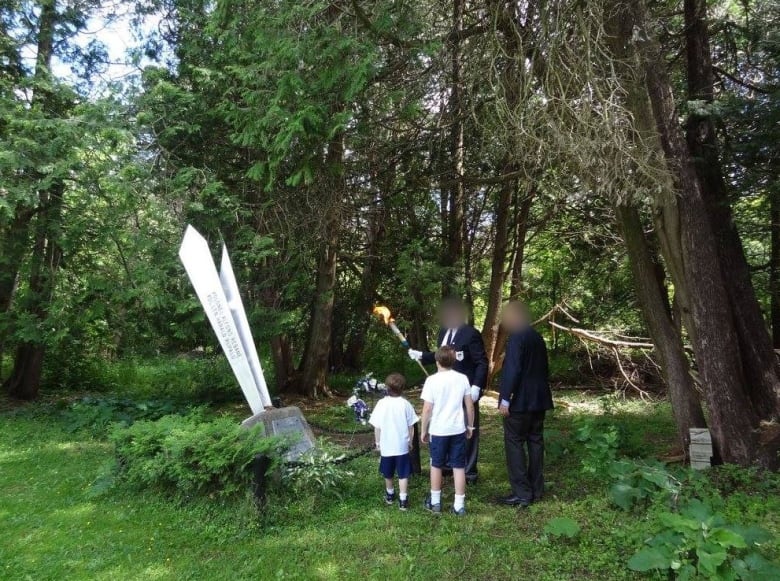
(389, 498)
(459, 512)
(403, 504)
(434, 508)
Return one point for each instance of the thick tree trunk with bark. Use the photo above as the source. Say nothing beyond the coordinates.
(503, 210)
(774, 265)
(686, 405)
(25, 379)
(732, 417)
(755, 344)
(314, 366)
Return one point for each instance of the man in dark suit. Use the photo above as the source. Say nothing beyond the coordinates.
(471, 360)
(525, 397)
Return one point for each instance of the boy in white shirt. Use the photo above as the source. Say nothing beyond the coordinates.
(393, 420)
(446, 394)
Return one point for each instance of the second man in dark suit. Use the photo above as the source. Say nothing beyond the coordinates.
(525, 397)
(471, 360)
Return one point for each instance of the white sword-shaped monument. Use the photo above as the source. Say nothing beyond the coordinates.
(219, 295)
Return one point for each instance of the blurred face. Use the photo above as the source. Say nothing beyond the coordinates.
(514, 318)
(452, 316)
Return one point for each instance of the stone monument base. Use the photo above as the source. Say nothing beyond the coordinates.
(286, 421)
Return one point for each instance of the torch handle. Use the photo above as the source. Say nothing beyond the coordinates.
(405, 343)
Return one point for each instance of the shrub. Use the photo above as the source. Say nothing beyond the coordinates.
(641, 481)
(601, 445)
(191, 380)
(96, 414)
(188, 455)
(317, 472)
(696, 541)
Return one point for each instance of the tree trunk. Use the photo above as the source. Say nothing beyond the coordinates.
(755, 344)
(25, 379)
(675, 368)
(498, 267)
(522, 211)
(774, 265)
(456, 212)
(369, 282)
(314, 366)
(284, 369)
(732, 417)
(13, 247)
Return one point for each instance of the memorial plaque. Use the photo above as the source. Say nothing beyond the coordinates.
(293, 425)
(700, 448)
(287, 421)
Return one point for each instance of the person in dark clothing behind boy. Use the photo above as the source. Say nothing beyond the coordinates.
(471, 360)
(525, 397)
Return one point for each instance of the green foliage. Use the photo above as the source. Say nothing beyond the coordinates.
(187, 456)
(638, 482)
(96, 414)
(562, 527)
(186, 380)
(696, 542)
(600, 442)
(317, 472)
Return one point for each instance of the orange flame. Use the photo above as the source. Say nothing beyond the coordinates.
(383, 313)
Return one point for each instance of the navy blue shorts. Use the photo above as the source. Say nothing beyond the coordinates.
(448, 451)
(391, 465)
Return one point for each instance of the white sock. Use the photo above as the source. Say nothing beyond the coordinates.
(435, 496)
(460, 501)
(390, 490)
(403, 496)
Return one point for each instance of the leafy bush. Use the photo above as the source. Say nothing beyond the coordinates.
(192, 380)
(316, 472)
(188, 455)
(696, 541)
(601, 445)
(96, 414)
(639, 481)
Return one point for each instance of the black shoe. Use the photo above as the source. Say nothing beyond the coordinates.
(403, 504)
(389, 498)
(429, 506)
(513, 500)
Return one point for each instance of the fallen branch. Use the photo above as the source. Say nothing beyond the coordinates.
(559, 308)
(591, 336)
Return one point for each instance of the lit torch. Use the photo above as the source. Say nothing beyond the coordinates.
(384, 314)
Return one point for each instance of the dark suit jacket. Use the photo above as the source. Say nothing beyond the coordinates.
(524, 378)
(470, 349)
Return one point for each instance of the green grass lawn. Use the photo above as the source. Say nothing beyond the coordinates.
(54, 525)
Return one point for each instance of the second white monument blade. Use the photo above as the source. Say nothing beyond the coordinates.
(230, 286)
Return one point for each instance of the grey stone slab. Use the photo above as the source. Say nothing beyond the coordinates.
(287, 421)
